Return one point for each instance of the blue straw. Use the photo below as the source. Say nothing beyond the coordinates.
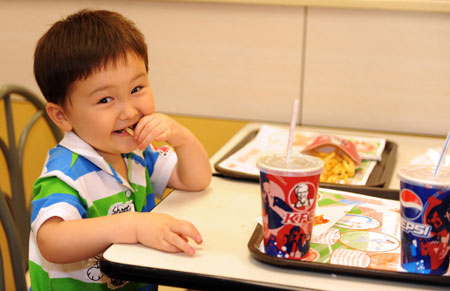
(442, 157)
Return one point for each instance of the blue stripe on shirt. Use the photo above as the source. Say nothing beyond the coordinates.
(57, 198)
(137, 159)
(60, 158)
(150, 158)
(150, 203)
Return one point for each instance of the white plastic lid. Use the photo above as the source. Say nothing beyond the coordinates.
(299, 165)
(423, 175)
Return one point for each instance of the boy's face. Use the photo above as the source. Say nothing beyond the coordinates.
(103, 105)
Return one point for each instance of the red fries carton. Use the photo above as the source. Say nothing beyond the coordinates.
(327, 143)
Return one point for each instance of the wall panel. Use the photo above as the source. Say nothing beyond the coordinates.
(379, 70)
(216, 60)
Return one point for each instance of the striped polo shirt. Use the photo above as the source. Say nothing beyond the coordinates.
(78, 183)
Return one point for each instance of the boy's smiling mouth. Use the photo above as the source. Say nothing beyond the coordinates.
(129, 130)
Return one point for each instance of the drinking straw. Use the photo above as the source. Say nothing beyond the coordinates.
(292, 129)
(442, 157)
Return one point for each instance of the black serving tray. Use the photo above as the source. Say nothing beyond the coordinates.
(257, 237)
(380, 176)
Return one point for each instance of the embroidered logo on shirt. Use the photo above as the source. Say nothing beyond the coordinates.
(94, 273)
(121, 207)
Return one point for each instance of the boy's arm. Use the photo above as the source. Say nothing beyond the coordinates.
(74, 240)
(193, 170)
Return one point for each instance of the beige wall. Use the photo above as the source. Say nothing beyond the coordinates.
(369, 69)
(205, 59)
(380, 70)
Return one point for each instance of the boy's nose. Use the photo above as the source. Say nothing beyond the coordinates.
(128, 111)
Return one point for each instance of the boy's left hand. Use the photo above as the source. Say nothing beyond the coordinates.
(192, 171)
(157, 127)
(165, 232)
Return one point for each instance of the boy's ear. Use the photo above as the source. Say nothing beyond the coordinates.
(57, 115)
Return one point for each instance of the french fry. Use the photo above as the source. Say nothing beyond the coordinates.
(130, 131)
(338, 166)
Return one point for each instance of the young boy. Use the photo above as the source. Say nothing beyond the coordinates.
(98, 184)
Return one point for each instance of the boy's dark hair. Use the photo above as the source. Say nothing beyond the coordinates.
(81, 43)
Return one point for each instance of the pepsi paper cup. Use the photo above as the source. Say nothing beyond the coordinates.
(425, 219)
(288, 194)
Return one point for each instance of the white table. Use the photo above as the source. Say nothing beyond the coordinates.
(225, 215)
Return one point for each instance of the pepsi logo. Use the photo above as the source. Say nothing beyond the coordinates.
(411, 204)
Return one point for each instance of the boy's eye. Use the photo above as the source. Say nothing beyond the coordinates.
(136, 89)
(105, 100)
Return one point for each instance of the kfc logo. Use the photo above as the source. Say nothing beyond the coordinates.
(302, 196)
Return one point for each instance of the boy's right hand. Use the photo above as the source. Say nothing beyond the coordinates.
(164, 232)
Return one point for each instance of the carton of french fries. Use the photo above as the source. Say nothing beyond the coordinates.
(339, 156)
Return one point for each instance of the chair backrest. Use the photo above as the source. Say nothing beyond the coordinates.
(13, 152)
(15, 254)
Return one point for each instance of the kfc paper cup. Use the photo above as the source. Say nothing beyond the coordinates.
(288, 194)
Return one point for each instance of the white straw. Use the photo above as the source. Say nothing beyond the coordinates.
(442, 157)
(292, 129)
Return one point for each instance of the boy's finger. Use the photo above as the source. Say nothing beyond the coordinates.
(187, 229)
(146, 142)
(146, 124)
(170, 248)
(184, 237)
(162, 137)
(178, 242)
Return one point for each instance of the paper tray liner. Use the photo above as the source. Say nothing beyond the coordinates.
(257, 238)
(380, 176)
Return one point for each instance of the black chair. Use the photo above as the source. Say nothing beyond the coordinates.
(12, 237)
(13, 153)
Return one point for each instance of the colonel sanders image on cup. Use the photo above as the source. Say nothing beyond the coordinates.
(301, 192)
(288, 196)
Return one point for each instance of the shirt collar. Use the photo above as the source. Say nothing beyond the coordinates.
(77, 145)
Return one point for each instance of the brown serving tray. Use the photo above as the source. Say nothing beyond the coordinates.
(257, 237)
(380, 176)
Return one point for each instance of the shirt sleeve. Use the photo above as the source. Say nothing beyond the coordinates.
(53, 197)
(160, 164)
